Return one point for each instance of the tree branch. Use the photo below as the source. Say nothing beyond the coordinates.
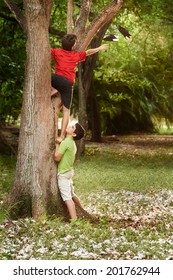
(17, 13)
(54, 31)
(168, 19)
(69, 16)
(83, 17)
(7, 17)
(102, 19)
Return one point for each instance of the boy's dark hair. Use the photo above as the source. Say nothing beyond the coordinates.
(79, 131)
(68, 41)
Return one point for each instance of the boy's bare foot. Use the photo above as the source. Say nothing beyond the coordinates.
(53, 92)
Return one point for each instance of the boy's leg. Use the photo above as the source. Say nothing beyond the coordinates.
(57, 107)
(71, 209)
(66, 190)
(76, 200)
(65, 120)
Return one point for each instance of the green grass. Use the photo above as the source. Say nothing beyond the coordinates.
(128, 186)
(113, 171)
(165, 130)
(7, 170)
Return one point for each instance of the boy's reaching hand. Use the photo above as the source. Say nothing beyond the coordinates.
(104, 47)
(92, 51)
(59, 140)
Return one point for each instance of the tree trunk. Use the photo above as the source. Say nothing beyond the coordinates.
(82, 111)
(85, 35)
(35, 190)
(85, 77)
(69, 16)
(94, 113)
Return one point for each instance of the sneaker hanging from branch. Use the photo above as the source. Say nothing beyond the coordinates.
(111, 38)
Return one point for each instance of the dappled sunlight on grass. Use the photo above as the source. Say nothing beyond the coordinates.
(125, 168)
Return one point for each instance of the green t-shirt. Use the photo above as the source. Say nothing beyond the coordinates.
(68, 149)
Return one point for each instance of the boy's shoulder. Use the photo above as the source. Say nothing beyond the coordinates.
(67, 144)
(67, 140)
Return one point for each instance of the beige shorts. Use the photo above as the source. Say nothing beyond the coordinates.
(65, 184)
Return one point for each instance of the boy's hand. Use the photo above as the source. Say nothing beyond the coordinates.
(59, 140)
(92, 51)
(104, 47)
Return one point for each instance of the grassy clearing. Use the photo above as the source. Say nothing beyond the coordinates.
(7, 169)
(121, 167)
(127, 184)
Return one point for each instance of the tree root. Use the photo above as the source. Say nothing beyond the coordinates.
(82, 213)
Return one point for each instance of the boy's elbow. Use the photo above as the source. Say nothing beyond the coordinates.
(57, 157)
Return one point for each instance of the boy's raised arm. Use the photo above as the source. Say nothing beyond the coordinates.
(95, 50)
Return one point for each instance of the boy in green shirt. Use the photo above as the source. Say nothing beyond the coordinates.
(65, 156)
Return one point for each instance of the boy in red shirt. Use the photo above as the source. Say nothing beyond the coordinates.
(66, 61)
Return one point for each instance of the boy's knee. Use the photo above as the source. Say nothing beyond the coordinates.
(66, 110)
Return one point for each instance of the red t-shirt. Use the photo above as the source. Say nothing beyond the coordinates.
(66, 62)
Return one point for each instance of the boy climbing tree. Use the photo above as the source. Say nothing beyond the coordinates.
(66, 60)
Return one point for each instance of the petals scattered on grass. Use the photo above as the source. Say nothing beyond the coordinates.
(132, 226)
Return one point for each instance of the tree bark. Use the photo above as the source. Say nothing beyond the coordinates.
(69, 16)
(80, 25)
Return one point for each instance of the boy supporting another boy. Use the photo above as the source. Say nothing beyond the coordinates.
(65, 156)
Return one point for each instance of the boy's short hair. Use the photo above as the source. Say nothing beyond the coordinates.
(79, 131)
(68, 41)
